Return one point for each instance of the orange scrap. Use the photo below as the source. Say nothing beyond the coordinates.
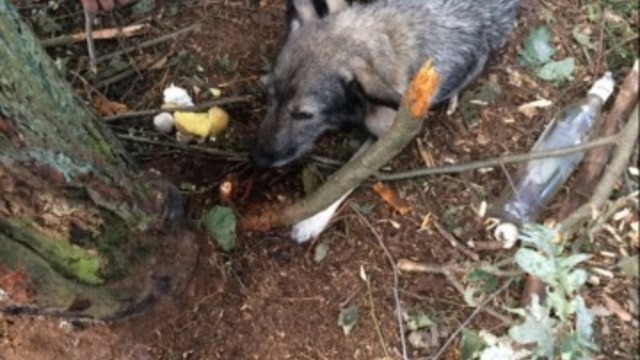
(390, 198)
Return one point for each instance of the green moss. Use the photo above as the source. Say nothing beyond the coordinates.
(119, 250)
(70, 260)
(102, 148)
(53, 289)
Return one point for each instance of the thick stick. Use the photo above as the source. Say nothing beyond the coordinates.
(406, 126)
(628, 142)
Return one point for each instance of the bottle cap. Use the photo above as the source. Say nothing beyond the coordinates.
(603, 87)
(507, 233)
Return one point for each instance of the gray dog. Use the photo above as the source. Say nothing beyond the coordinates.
(351, 66)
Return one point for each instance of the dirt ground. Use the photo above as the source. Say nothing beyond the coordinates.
(269, 298)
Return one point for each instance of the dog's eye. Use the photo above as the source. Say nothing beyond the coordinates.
(301, 115)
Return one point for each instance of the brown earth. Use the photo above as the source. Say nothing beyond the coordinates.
(268, 298)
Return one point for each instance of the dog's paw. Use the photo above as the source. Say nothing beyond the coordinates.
(312, 227)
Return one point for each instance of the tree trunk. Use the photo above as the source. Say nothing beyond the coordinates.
(75, 215)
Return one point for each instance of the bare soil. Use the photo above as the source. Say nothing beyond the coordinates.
(268, 298)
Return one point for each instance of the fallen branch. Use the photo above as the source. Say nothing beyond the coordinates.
(596, 160)
(201, 107)
(455, 243)
(409, 266)
(226, 155)
(103, 34)
(406, 126)
(618, 165)
(149, 43)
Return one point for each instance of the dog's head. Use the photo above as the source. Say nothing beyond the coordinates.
(305, 95)
(306, 98)
(315, 86)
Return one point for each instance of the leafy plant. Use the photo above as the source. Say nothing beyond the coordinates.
(537, 47)
(562, 326)
(537, 52)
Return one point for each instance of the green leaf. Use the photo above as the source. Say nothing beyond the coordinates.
(573, 260)
(348, 318)
(363, 209)
(220, 222)
(320, 252)
(537, 47)
(557, 301)
(143, 7)
(629, 266)
(536, 264)
(538, 328)
(310, 180)
(575, 280)
(489, 91)
(557, 71)
(469, 296)
(584, 319)
(569, 347)
(471, 344)
(488, 282)
(417, 321)
(542, 237)
(582, 38)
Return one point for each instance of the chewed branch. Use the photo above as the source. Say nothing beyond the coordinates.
(408, 122)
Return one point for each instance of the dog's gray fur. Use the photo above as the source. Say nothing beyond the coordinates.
(352, 66)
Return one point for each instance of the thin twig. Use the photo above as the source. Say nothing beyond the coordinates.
(468, 321)
(149, 43)
(204, 106)
(376, 324)
(396, 296)
(103, 34)
(91, 46)
(507, 159)
(457, 244)
(226, 155)
(406, 265)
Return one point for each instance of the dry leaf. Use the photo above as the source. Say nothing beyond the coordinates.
(390, 198)
(617, 309)
(426, 156)
(106, 107)
(531, 108)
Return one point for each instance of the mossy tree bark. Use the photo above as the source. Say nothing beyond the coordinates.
(75, 214)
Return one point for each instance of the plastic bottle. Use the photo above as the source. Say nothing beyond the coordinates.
(537, 181)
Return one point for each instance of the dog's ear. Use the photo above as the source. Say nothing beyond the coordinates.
(303, 12)
(376, 89)
(336, 5)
